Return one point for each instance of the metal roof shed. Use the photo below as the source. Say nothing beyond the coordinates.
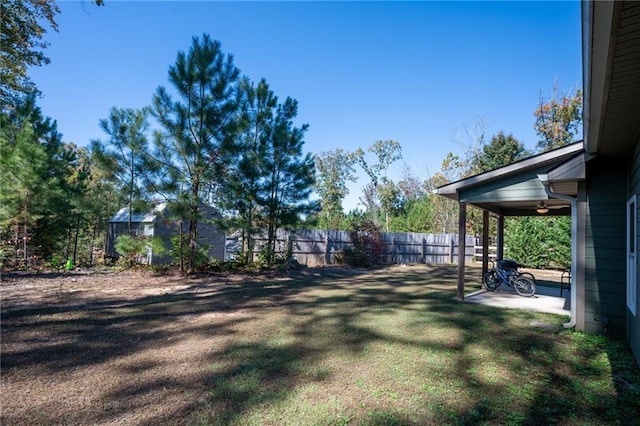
(157, 223)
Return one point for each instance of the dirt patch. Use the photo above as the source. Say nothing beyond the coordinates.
(106, 348)
(100, 347)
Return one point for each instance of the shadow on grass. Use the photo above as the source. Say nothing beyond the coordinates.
(282, 338)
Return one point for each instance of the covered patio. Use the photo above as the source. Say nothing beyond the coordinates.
(548, 298)
(547, 184)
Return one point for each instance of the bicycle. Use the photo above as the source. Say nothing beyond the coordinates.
(507, 272)
(510, 264)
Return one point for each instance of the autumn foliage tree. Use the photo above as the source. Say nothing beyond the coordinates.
(558, 120)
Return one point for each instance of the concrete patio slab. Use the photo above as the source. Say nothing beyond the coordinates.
(546, 299)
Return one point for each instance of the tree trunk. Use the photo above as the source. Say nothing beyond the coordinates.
(93, 242)
(193, 224)
(130, 195)
(68, 250)
(181, 249)
(25, 233)
(271, 241)
(75, 242)
(193, 238)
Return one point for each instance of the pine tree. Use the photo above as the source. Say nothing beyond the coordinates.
(503, 149)
(289, 175)
(35, 194)
(123, 155)
(243, 186)
(198, 139)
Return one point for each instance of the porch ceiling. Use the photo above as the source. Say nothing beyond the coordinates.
(611, 60)
(526, 208)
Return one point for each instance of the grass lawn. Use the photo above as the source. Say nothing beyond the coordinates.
(319, 346)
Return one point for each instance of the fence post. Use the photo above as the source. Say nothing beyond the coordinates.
(393, 250)
(327, 249)
(451, 251)
(423, 250)
(289, 249)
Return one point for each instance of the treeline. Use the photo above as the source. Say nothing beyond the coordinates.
(220, 140)
(408, 205)
(215, 138)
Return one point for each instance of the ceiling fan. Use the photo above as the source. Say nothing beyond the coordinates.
(543, 207)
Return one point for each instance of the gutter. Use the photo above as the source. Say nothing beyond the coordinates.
(544, 178)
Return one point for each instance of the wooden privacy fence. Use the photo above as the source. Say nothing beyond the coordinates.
(477, 253)
(314, 247)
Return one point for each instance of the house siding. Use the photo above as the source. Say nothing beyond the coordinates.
(633, 321)
(605, 249)
(514, 188)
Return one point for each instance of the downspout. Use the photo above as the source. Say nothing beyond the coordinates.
(574, 242)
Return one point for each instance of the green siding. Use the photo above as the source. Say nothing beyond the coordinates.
(520, 187)
(633, 322)
(605, 248)
(602, 297)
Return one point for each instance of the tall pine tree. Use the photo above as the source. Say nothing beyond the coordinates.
(289, 175)
(35, 169)
(244, 183)
(123, 155)
(198, 139)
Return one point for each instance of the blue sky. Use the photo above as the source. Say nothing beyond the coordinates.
(414, 72)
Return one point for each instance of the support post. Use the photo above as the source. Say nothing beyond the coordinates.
(462, 240)
(500, 239)
(485, 241)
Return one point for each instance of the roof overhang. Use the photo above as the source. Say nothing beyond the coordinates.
(517, 190)
(564, 178)
(611, 60)
(122, 216)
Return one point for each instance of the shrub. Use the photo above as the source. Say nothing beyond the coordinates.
(367, 246)
(131, 248)
(135, 249)
(180, 253)
(539, 242)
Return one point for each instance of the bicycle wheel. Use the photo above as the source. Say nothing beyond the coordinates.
(528, 275)
(524, 286)
(491, 280)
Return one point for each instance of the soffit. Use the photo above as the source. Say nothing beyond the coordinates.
(613, 104)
